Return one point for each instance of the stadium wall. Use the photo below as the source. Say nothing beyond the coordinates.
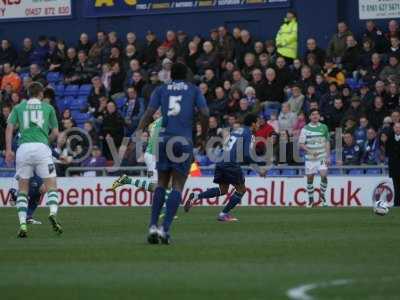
(347, 191)
(316, 18)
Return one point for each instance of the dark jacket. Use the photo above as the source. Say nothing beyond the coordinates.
(25, 58)
(392, 149)
(8, 56)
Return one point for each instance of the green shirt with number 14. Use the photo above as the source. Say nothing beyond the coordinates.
(35, 119)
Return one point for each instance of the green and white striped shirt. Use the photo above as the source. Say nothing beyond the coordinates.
(315, 138)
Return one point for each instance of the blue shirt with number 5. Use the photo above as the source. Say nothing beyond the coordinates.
(178, 101)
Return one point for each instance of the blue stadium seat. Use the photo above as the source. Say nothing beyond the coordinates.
(53, 77)
(207, 172)
(202, 160)
(252, 173)
(71, 90)
(289, 172)
(373, 172)
(62, 104)
(356, 172)
(60, 90)
(273, 172)
(69, 100)
(120, 102)
(85, 89)
(24, 75)
(335, 172)
(78, 103)
(79, 117)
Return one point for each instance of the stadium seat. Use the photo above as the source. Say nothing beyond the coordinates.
(356, 172)
(62, 104)
(78, 103)
(85, 89)
(289, 172)
(335, 172)
(60, 90)
(120, 102)
(273, 172)
(24, 75)
(71, 90)
(268, 112)
(53, 77)
(374, 172)
(79, 117)
(207, 172)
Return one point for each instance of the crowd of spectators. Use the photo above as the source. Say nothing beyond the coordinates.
(354, 82)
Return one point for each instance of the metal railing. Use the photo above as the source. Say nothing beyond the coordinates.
(141, 170)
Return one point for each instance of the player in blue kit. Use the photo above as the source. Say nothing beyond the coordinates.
(229, 172)
(179, 101)
(36, 190)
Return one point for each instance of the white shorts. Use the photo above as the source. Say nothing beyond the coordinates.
(151, 162)
(315, 166)
(34, 157)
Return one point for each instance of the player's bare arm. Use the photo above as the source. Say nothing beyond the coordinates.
(9, 136)
(147, 118)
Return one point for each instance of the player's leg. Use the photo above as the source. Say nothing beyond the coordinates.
(173, 202)
(157, 205)
(46, 170)
(234, 200)
(324, 183)
(33, 202)
(311, 170)
(221, 190)
(22, 206)
(24, 171)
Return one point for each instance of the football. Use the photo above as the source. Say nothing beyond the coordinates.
(381, 208)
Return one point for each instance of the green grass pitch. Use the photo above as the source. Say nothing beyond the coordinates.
(103, 255)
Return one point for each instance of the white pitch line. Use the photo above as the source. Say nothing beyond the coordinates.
(300, 292)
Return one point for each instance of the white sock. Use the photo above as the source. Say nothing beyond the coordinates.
(52, 202)
(22, 207)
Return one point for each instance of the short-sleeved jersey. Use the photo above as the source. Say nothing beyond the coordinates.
(154, 131)
(178, 101)
(315, 138)
(238, 146)
(35, 119)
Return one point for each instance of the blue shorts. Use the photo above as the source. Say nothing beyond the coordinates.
(166, 164)
(228, 173)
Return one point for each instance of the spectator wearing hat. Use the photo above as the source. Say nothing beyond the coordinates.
(391, 72)
(287, 38)
(356, 110)
(337, 44)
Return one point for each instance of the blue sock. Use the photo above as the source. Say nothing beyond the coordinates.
(233, 201)
(173, 202)
(32, 205)
(158, 202)
(210, 193)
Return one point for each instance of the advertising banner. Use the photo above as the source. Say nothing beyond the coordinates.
(378, 9)
(20, 9)
(104, 8)
(277, 191)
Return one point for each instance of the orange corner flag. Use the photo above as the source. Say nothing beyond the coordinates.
(195, 170)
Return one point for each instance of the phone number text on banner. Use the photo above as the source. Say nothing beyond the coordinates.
(21, 9)
(104, 8)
